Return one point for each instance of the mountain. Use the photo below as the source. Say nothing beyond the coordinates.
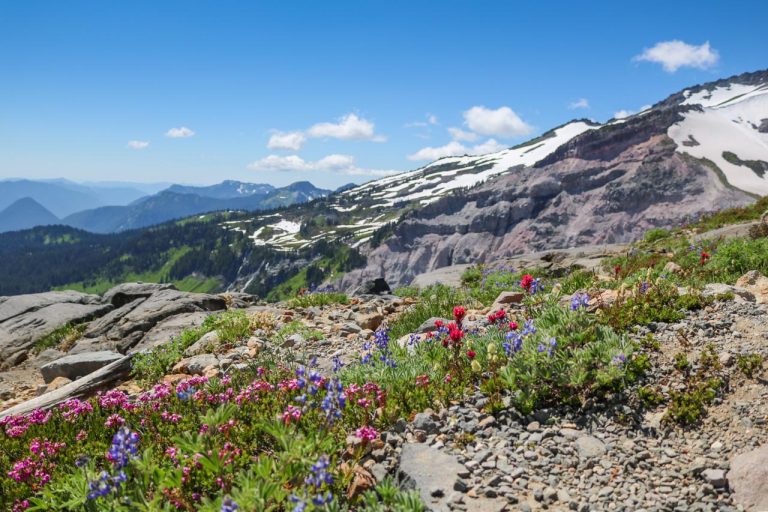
(24, 214)
(181, 201)
(700, 149)
(225, 190)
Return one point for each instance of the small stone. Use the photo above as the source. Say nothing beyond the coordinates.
(715, 477)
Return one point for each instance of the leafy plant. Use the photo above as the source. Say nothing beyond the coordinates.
(749, 364)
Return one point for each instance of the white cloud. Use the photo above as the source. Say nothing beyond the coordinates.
(348, 127)
(432, 119)
(287, 140)
(489, 146)
(580, 103)
(673, 55)
(179, 133)
(459, 134)
(621, 114)
(341, 164)
(501, 122)
(138, 144)
(455, 148)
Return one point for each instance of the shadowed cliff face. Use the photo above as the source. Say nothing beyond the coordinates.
(613, 193)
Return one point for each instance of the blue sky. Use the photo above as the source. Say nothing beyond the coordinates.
(333, 92)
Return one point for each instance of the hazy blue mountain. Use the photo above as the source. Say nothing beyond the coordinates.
(25, 213)
(225, 190)
(180, 201)
(58, 198)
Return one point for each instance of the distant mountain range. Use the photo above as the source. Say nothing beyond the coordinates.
(701, 149)
(105, 208)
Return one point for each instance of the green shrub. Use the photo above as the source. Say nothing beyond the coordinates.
(749, 364)
(318, 299)
(650, 396)
(689, 406)
(61, 338)
(656, 234)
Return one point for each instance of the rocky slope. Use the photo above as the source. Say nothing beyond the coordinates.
(604, 184)
(603, 457)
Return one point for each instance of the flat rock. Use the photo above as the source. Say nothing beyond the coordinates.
(125, 293)
(748, 479)
(430, 471)
(756, 283)
(77, 365)
(590, 447)
(205, 344)
(505, 299)
(196, 364)
(713, 289)
(24, 319)
(161, 305)
(170, 328)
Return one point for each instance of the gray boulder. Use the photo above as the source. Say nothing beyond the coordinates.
(430, 471)
(170, 328)
(714, 289)
(748, 479)
(78, 365)
(196, 364)
(590, 447)
(24, 319)
(158, 307)
(125, 293)
(204, 345)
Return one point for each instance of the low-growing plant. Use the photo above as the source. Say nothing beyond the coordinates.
(318, 299)
(435, 301)
(749, 364)
(689, 406)
(61, 338)
(232, 325)
(296, 327)
(650, 396)
(262, 320)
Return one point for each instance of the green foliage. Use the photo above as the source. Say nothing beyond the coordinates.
(232, 325)
(650, 396)
(318, 299)
(407, 291)
(62, 337)
(151, 366)
(689, 405)
(749, 364)
(732, 215)
(436, 301)
(656, 234)
(296, 327)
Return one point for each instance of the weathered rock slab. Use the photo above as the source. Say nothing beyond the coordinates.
(77, 365)
(748, 479)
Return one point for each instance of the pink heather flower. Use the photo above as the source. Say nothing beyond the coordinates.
(366, 433)
(422, 380)
(114, 420)
(447, 378)
(114, 399)
(20, 505)
(81, 435)
(170, 417)
(39, 417)
(203, 429)
(291, 413)
(73, 408)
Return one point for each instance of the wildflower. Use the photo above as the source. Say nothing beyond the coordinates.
(619, 360)
(644, 287)
(228, 505)
(366, 433)
(498, 316)
(513, 326)
(422, 381)
(456, 335)
(458, 313)
(317, 483)
(528, 327)
(438, 323)
(125, 444)
(290, 414)
(471, 354)
(526, 282)
(617, 270)
(552, 347)
(475, 366)
(704, 258)
(579, 300)
(447, 378)
(114, 420)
